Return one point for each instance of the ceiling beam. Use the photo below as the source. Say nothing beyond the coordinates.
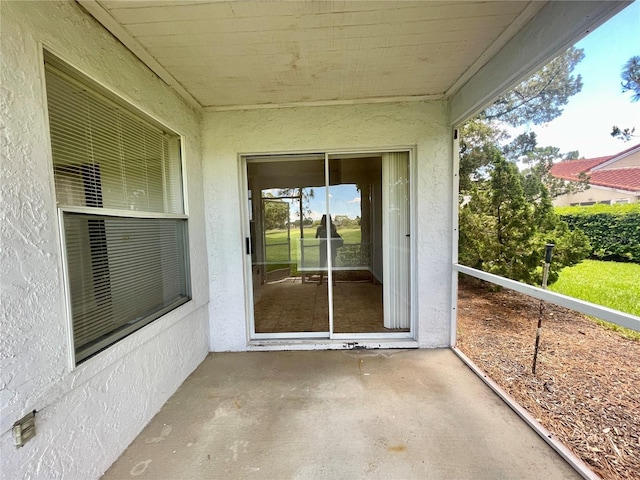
(556, 27)
(324, 103)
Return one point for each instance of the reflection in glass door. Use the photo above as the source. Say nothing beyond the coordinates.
(330, 245)
(369, 207)
(284, 248)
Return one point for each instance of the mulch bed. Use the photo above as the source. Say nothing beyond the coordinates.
(586, 389)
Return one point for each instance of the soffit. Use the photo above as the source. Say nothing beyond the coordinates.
(239, 54)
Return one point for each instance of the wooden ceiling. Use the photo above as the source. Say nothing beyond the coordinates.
(224, 55)
(237, 54)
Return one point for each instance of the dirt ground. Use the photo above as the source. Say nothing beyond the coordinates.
(586, 389)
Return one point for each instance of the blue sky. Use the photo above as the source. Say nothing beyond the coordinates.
(344, 200)
(587, 120)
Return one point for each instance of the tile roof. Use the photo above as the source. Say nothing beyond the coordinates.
(571, 169)
(620, 178)
(627, 178)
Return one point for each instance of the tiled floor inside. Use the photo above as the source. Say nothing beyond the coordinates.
(292, 306)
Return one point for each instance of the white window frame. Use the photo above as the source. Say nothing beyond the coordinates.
(78, 76)
(330, 339)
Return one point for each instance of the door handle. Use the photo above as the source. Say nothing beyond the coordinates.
(247, 245)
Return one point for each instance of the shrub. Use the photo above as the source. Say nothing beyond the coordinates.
(613, 230)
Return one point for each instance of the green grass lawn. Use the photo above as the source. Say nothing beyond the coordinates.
(278, 246)
(611, 284)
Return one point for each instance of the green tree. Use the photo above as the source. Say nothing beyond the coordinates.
(496, 222)
(478, 138)
(625, 134)
(571, 246)
(631, 77)
(302, 196)
(538, 174)
(541, 97)
(276, 213)
(506, 216)
(630, 83)
(504, 232)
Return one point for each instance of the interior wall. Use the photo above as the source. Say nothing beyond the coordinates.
(88, 415)
(227, 135)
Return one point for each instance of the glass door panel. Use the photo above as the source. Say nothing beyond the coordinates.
(330, 245)
(369, 247)
(288, 299)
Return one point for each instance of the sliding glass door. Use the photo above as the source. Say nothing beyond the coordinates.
(329, 240)
(283, 247)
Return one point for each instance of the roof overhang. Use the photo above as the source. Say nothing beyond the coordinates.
(556, 27)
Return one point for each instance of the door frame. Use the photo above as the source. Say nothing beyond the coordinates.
(324, 337)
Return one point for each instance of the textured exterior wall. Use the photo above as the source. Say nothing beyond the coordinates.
(86, 416)
(632, 160)
(228, 134)
(594, 194)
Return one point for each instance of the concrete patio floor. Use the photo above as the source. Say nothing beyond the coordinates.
(388, 414)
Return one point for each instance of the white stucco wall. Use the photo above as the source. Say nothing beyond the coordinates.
(87, 416)
(420, 124)
(630, 160)
(594, 194)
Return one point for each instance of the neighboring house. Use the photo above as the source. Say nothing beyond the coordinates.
(138, 141)
(612, 179)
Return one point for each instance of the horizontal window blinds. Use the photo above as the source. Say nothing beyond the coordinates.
(122, 271)
(106, 157)
(119, 188)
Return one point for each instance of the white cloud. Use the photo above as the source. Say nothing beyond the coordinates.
(355, 200)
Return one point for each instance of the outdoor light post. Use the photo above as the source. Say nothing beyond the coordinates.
(545, 277)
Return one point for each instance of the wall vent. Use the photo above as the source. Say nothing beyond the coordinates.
(24, 429)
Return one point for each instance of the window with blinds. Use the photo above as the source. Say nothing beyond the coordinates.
(118, 185)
